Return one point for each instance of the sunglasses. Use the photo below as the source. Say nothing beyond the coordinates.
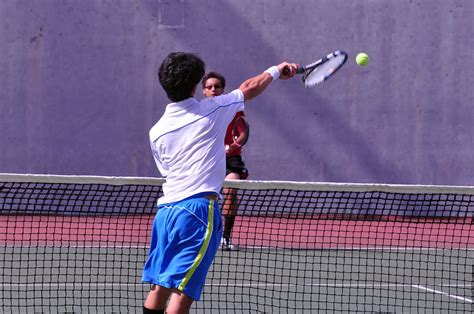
(217, 86)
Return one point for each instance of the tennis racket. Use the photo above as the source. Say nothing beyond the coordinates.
(321, 70)
(240, 132)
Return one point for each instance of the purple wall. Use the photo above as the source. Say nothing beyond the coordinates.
(79, 90)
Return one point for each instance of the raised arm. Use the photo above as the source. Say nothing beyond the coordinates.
(254, 86)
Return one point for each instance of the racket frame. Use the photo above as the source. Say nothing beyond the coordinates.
(310, 68)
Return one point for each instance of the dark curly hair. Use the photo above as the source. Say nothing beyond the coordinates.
(215, 75)
(179, 74)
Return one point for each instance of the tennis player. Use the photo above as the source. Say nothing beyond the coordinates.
(213, 84)
(187, 147)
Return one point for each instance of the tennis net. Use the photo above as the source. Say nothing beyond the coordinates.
(79, 243)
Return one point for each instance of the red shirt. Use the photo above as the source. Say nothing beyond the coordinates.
(228, 140)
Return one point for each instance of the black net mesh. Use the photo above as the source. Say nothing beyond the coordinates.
(79, 245)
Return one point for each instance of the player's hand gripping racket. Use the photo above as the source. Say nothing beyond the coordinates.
(240, 133)
(321, 70)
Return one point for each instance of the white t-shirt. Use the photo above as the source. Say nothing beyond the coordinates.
(188, 144)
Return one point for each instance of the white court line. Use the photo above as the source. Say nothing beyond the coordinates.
(443, 293)
(256, 285)
(77, 246)
(333, 285)
(244, 248)
(359, 248)
(71, 285)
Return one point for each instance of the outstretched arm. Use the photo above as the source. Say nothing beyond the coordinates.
(254, 86)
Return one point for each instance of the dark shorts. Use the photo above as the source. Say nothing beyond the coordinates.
(235, 164)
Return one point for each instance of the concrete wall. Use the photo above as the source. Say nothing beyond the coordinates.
(79, 92)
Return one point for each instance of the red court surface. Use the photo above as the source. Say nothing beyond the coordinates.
(294, 233)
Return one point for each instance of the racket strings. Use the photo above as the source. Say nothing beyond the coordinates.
(319, 73)
(324, 71)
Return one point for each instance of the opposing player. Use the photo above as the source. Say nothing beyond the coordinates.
(213, 84)
(187, 147)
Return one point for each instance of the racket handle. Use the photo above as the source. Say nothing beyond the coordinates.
(286, 70)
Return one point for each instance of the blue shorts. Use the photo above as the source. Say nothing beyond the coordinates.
(185, 238)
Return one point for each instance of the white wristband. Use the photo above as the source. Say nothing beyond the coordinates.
(274, 72)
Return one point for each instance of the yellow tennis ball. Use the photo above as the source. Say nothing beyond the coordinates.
(362, 59)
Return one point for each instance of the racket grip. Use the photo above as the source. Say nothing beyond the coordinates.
(286, 70)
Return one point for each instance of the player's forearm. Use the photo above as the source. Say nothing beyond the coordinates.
(254, 86)
(241, 139)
